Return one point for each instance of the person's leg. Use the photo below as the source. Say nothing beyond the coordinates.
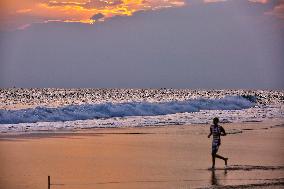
(213, 160)
(213, 153)
(223, 158)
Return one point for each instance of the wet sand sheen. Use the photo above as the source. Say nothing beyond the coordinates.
(165, 157)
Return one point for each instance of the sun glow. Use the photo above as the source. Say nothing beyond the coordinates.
(22, 14)
(88, 11)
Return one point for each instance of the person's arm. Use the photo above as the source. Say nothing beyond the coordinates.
(223, 132)
(210, 133)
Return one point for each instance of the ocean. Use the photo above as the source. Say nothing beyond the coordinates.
(51, 109)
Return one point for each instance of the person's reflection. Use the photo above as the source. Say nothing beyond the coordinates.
(215, 179)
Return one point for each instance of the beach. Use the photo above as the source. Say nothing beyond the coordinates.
(147, 157)
(111, 94)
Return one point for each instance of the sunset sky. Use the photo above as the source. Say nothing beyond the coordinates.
(21, 14)
(142, 43)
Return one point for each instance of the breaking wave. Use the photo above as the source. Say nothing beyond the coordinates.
(109, 110)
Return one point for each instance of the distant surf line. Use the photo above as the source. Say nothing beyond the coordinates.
(110, 110)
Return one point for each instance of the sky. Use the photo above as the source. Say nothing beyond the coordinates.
(208, 44)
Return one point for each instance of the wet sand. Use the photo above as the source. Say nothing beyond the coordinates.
(152, 157)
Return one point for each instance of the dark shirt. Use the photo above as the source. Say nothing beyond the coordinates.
(216, 131)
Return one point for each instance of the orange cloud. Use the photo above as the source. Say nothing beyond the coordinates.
(20, 14)
(23, 10)
(77, 11)
(259, 1)
(23, 13)
(278, 10)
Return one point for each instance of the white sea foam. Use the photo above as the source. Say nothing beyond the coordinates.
(109, 110)
(253, 114)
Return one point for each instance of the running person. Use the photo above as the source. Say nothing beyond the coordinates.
(217, 131)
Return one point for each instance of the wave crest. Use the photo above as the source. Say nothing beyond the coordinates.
(108, 110)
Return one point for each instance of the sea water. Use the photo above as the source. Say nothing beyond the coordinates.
(24, 110)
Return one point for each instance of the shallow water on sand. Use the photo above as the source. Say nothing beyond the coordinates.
(167, 157)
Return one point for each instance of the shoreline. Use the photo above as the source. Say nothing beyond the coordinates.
(274, 122)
